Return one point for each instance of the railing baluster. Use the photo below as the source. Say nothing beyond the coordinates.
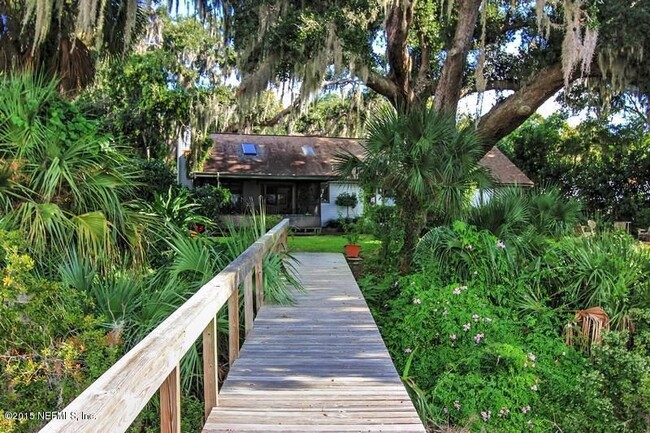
(259, 285)
(210, 367)
(170, 403)
(248, 303)
(233, 325)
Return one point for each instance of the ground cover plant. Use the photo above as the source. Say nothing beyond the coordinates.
(479, 332)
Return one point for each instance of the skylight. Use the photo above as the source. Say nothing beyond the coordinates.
(249, 149)
(307, 150)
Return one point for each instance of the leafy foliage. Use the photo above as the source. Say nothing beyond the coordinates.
(67, 180)
(384, 224)
(53, 345)
(609, 270)
(526, 219)
(423, 161)
(211, 200)
(604, 166)
(470, 363)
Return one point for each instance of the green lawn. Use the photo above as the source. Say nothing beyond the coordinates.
(330, 244)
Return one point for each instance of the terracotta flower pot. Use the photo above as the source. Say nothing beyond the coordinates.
(352, 250)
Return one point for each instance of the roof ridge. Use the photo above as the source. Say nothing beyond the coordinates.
(287, 135)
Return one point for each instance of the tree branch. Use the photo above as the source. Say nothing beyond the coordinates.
(341, 82)
(507, 115)
(448, 89)
(382, 85)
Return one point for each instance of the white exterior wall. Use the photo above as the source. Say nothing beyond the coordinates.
(330, 211)
(481, 196)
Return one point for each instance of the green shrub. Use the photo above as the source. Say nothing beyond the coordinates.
(462, 252)
(472, 361)
(609, 270)
(346, 199)
(525, 218)
(384, 224)
(155, 177)
(625, 382)
(211, 200)
(52, 346)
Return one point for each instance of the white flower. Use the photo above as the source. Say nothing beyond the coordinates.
(417, 301)
(467, 327)
(408, 350)
(534, 388)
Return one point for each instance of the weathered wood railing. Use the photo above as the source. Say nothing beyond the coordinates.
(114, 400)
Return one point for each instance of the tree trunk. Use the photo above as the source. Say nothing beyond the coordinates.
(398, 23)
(507, 115)
(413, 224)
(451, 79)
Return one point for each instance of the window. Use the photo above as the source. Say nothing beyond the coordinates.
(308, 150)
(325, 192)
(278, 199)
(249, 149)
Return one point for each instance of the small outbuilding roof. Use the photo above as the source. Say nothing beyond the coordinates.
(504, 171)
(309, 157)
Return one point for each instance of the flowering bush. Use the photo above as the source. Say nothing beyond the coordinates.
(487, 352)
(467, 355)
(462, 252)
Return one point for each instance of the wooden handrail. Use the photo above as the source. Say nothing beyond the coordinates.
(118, 396)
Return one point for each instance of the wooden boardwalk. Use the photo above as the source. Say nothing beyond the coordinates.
(318, 366)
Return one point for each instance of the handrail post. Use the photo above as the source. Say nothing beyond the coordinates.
(233, 325)
(248, 303)
(283, 243)
(210, 367)
(259, 285)
(170, 403)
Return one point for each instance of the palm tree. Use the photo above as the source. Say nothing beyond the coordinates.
(422, 160)
(64, 183)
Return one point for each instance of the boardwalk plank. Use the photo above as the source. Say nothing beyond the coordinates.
(317, 366)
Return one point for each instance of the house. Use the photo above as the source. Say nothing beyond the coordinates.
(295, 174)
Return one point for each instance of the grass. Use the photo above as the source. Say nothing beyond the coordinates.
(330, 244)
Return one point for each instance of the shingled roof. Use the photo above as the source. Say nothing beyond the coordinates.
(309, 157)
(503, 170)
